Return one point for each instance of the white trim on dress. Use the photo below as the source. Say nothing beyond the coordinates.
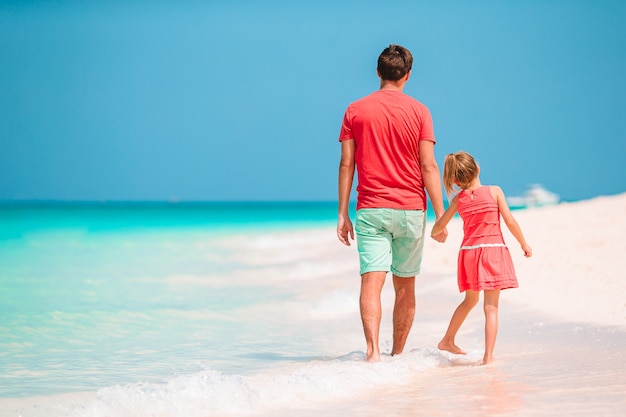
(484, 245)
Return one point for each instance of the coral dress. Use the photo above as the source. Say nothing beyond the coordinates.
(484, 260)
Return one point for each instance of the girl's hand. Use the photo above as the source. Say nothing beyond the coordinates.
(528, 251)
(440, 232)
(440, 236)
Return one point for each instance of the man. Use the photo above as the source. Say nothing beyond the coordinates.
(388, 136)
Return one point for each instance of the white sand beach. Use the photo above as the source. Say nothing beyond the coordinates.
(561, 348)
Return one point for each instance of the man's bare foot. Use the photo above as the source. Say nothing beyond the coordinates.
(372, 358)
(451, 347)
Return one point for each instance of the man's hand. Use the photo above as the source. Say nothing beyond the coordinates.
(345, 229)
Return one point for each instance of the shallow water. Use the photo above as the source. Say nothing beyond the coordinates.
(184, 321)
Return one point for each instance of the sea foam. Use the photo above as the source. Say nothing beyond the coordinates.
(299, 385)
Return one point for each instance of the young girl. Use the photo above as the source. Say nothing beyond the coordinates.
(484, 262)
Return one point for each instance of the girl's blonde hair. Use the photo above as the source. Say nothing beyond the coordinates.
(459, 169)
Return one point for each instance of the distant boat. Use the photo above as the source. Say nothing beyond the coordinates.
(535, 196)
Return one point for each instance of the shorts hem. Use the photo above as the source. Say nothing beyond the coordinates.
(405, 274)
(374, 269)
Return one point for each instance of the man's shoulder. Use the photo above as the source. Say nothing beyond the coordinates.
(414, 101)
(365, 99)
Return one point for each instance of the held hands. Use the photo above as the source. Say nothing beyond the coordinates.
(345, 229)
(440, 235)
(439, 231)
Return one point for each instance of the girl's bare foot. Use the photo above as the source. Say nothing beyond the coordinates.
(487, 360)
(451, 347)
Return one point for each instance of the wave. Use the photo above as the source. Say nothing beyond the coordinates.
(299, 385)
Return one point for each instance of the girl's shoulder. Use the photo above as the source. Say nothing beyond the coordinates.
(494, 188)
(495, 191)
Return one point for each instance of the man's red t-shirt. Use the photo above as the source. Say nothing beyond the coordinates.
(387, 126)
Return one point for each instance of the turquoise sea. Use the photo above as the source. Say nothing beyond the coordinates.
(87, 298)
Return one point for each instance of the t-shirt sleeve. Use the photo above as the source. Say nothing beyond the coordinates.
(427, 130)
(346, 127)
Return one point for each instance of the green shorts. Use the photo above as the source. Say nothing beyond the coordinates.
(390, 240)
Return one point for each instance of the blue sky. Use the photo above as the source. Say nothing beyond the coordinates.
(243, 100)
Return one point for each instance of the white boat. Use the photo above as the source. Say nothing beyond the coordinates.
(535, 196)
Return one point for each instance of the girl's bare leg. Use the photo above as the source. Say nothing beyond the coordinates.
(459, 316)
(491, 323)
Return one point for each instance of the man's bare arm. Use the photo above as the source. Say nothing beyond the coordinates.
(432, 182)
(431, 175)
(346, 177)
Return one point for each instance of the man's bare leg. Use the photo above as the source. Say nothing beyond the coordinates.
(371, 311)
(403, 311)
